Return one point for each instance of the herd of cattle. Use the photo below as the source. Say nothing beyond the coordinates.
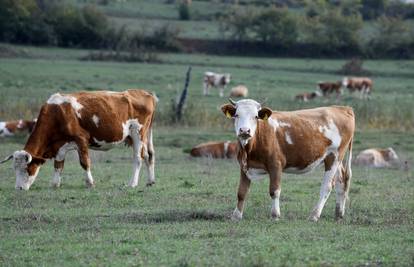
(266, 142)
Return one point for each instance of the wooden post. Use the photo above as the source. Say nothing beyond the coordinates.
(183, 97)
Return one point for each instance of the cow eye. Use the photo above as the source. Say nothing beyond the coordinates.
(256, 117)
(236, 116)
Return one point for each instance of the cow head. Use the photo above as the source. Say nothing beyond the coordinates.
(391, 156)
(227, 78)
(345, 82)
(246, 113)
(26, 168)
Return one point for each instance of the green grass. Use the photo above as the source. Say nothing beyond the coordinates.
(184, 219)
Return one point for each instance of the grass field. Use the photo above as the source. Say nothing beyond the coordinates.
(184, 219)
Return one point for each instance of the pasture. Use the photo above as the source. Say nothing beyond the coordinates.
(184, 219)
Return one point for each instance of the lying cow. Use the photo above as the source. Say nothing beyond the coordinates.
(362, 84)
(79, 121)
(305, 97)
(10, 128)
(272, 142)
(217, 80)
(215, 150)
(329, 88)
(239, 91)
(378, 158)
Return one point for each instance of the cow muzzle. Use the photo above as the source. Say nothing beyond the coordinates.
(244, 133)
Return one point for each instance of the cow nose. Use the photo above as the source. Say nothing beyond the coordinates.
(244, 132)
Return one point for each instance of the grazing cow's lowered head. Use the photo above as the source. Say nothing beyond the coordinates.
(345, 82)
(245, 112)
(26, 168)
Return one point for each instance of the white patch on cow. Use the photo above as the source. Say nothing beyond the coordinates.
(64, 149)
(345, 82)
(56, 178)
(226, 147)
(111, 92)
(88, 178)
(237, 215)
(95, 119)
(20, 124)
(4, 131)
(288, 138)
(255, 174)
(137, 145)
(20, 161)
(59, 99)
(332, 133)
(276, 123)
(126, 128)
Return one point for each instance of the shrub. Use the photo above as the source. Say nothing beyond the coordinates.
(353, 67)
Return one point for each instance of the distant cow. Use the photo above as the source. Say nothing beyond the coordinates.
(378, 158)
(361, 84)
(217, 80)
(239, 91)
(10, 128)
(272, 142)
(79, 121)
(215, 150)
(329, 88)
(305, 97)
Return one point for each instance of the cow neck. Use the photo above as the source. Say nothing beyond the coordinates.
(37, 143)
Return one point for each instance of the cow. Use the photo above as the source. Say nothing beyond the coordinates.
(305, 97)
(361, 84)
(329, 88)
(217, 80)
(215, 150)
(378, 158)
(239, 91)
(272, 142)
(10, 128)
(78, 121)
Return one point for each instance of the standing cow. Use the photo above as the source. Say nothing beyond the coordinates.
(79, 121)
(217, 80)
(329, 88)
(272, 142)
(361, 84)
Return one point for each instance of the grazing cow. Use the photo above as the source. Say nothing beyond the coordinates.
(79, 121)
(215, 150)
(378, 158)
(212, 79)
(305, 97)
(362, 84)
(272, 142)
(329, 88)
(239, 91)
(10, 128)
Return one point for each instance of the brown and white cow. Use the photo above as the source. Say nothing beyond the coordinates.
(329, 88)
(378, 158)
(361, 84)
(272, 142)
(79, 121)
(305, 97)
(239, 91)
(217, 80)
(215, 150)
(10, 128)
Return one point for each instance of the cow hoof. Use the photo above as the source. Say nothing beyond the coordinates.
(151, 183)
(313, 218)
(133, 185)
(275, 217)
(55, 186)
(90, 184)
(236, 216)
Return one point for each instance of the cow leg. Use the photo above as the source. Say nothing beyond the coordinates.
(206, 88)
(331, 166)
(58, 171)
(340, 193)
(274, 191)
(221, 91)
(150, 160)
(244, 186)
(137, 147)
(85, 162)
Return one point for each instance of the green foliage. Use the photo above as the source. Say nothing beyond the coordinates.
(275, 26)
(371, 9)
(238, 22)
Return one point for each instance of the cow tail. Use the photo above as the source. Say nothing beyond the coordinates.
(348, 171)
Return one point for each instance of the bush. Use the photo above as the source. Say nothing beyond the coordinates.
(353, 67)
(238, 22)
(372, 9)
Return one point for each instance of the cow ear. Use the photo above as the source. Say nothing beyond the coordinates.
(265, 113)
(229, 110)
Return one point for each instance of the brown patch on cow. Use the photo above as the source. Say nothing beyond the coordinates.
(215, 150)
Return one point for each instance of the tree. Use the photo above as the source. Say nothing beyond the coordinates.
(372, 9)
(275, 26)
